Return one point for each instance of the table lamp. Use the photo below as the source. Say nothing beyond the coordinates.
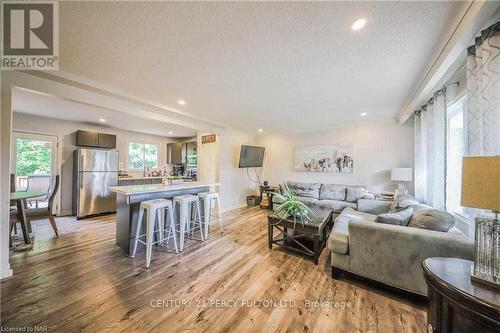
(401, 175)
(481, 189)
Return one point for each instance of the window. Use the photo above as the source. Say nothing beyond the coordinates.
(455, 152)
(142, 155)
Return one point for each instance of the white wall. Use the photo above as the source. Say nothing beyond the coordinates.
(218, 162)
(235, 182)
(378, 147)
(65, 131)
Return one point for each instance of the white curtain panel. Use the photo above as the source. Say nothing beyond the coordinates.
(483, 94)
(430, 153)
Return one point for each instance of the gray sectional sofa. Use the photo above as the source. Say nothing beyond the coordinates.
(388, 253)
(333, 196)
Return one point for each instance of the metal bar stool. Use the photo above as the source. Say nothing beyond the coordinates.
(207, 199)
(155, 214)
(188, 204)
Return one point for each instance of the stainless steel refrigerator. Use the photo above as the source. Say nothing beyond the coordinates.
(94, 170)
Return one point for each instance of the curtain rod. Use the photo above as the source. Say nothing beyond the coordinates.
(423, 107)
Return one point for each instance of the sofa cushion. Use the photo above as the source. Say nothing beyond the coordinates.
(355, 192)
(335, 204)
(307, 200)
(350, 213)
(401, 217)
(432, 219)
(310, 190)
(339, 237)
(333, 192)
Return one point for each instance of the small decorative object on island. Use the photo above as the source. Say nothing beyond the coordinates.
(401, 175)
(290, 206)
(481, 189)
(324, 158)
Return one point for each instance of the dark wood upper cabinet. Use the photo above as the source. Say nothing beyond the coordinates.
(107, 141)
(87, 139)
(94, 139)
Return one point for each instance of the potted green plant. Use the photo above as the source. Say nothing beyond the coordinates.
(291, 206)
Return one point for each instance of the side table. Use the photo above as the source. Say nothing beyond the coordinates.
(455, 303)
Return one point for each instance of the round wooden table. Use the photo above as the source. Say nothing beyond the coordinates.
(455, 303)
(20, 199)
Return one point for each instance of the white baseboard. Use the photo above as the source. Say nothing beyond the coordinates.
(6, 271)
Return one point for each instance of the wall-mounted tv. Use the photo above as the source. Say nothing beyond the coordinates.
(251, 156)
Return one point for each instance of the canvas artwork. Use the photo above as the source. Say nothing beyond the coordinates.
(324, 158)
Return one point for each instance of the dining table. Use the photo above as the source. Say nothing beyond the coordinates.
(20, 201)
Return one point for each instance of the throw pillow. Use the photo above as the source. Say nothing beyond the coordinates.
(332, 192)
(432, 219)
(355, 193)
(402, 201)
(401, 218)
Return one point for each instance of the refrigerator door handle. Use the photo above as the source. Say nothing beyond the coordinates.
(80, 176)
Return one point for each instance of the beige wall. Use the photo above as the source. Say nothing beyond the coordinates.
(377, 149)
(65, 131)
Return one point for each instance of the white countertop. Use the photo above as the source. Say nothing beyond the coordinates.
(139, 177)
(154, 188)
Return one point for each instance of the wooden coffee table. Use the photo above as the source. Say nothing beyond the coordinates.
(318, 229)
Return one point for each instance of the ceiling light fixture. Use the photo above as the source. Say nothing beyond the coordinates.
(358, 24)
(260, 130)
(181, 102)
(170, 132)
(102, 120)
(362, 114)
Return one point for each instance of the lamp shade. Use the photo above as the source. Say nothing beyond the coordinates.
(402, 174)
(481, 182)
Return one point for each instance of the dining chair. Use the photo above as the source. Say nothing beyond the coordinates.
(33, 214)
(39, 183)
(13, 210)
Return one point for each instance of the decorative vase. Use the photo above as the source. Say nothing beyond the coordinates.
(487, 252)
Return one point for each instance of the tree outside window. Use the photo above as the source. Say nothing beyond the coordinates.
(33, 157)
(142, 155)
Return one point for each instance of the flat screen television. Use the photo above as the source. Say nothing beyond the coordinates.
(251, 156)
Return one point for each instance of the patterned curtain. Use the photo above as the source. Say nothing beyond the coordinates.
(430, 152)
(483, 93)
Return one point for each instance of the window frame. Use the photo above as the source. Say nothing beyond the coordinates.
(158, 145)
(460, 99)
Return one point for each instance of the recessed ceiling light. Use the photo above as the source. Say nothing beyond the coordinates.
(170, 132)
(102, 120)
(362, 114)
(358, 24)
(181, 102)
(260, 130)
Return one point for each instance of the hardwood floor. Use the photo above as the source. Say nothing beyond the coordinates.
(83, 282)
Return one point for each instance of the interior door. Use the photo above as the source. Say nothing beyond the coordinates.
(34, 155)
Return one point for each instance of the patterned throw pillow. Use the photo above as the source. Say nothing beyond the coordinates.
(401, 218)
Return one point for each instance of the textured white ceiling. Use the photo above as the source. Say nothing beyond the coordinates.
(290, 67)
(53, 107)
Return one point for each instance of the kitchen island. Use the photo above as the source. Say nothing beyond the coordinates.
(129, 198)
